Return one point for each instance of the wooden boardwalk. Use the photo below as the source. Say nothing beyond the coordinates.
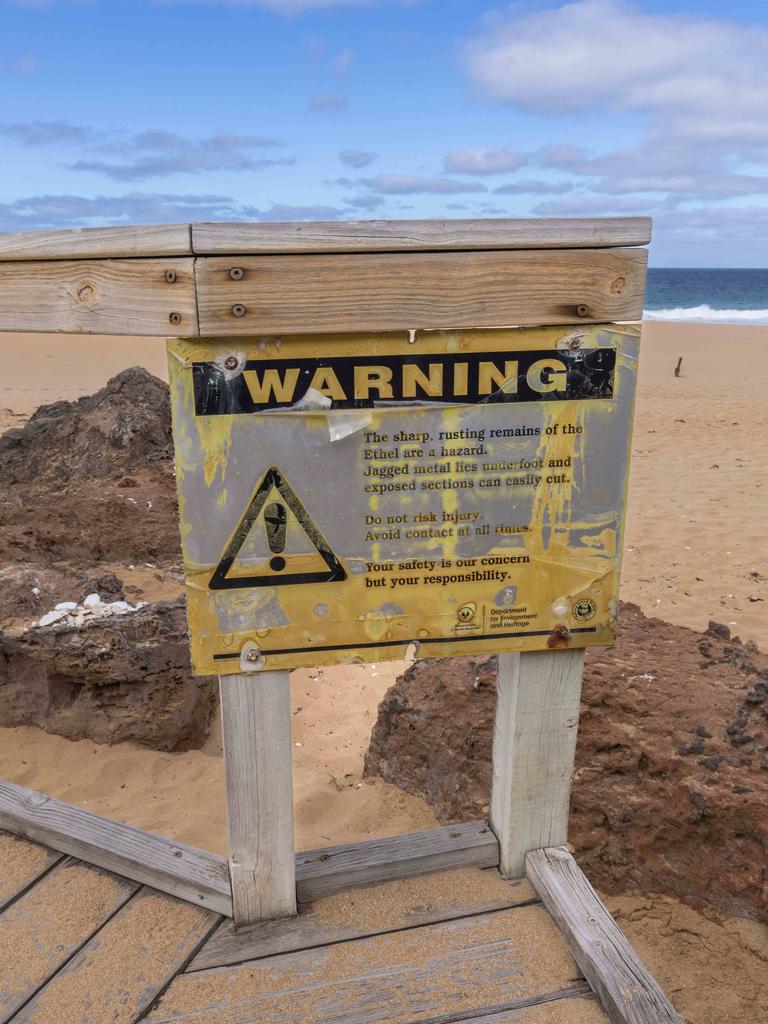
(82, 945)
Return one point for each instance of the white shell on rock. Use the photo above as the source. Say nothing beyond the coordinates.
(51, 617)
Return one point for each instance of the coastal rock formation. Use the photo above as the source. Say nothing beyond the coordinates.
(92, 480)
(671, 785)
(123, 677)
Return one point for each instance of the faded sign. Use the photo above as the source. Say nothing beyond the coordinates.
(345, 497)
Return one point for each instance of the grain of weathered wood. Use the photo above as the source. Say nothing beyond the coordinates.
(50, 922)
(333, 868)
(628, 992)
(184, 871)
(534, 744)
(99, 296)
(116, 976)
(21, 864)
(97, 243)
(414, 235)
(396, 291)
(203, 877)
(573, 1005)
(428, 972)
(256, 732)
(389, 907)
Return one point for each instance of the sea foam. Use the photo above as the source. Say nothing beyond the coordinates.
(706, 314)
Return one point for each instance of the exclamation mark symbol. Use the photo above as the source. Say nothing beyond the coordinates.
(275, 518)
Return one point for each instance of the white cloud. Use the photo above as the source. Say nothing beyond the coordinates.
(328, 102)
(585, 204)
(696, 87)
(149, 154)
(701, 76)
(278, 6)
(26, 64)
(484, 161)
(155, 154)
(45, 133)
(340, 63)
(356, 157)
(60, 211)
(533, 186)
(415, 184)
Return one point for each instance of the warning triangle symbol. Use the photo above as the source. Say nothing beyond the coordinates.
(275, 543)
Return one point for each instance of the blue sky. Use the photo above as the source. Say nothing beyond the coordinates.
(140, 111)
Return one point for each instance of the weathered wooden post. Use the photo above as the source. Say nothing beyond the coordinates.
(537, 716)
(256, 729)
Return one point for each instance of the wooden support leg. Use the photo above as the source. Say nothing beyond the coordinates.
(534, 744)
(256, 725)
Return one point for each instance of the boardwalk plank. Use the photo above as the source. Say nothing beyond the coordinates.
(626, 989)
(22, 863)
(120, 971)
(390, 907)
(335, 868)
(574, 1009)
(181, 870)
(50, 922)
(414, 975)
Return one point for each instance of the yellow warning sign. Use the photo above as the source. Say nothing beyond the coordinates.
(277, 518)
(346, 498)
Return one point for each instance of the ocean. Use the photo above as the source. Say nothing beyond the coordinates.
(707, 296)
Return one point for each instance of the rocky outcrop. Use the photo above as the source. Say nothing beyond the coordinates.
(124, 677)
(671, 786)
(92, 480)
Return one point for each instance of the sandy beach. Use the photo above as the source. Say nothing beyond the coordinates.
(694, 551)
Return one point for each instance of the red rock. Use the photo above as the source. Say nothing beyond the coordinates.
(647, 813)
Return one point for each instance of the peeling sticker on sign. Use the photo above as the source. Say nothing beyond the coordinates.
(343, 497)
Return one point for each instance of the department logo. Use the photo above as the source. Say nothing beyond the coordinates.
(466, 613)
(584, 610)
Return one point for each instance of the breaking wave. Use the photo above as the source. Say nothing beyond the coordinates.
(706, 314)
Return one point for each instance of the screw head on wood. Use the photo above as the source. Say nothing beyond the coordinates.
(237, 273)
(238, 309)
(170, 276)
(174, 318)
(231, 362)
(582, 310)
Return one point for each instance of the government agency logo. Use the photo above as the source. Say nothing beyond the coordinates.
(466, 613)
(465, 619)
(584, 609)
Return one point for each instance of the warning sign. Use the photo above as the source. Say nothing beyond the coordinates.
(343, 498)
(262, 552)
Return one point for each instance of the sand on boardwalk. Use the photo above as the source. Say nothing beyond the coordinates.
(695, 550)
